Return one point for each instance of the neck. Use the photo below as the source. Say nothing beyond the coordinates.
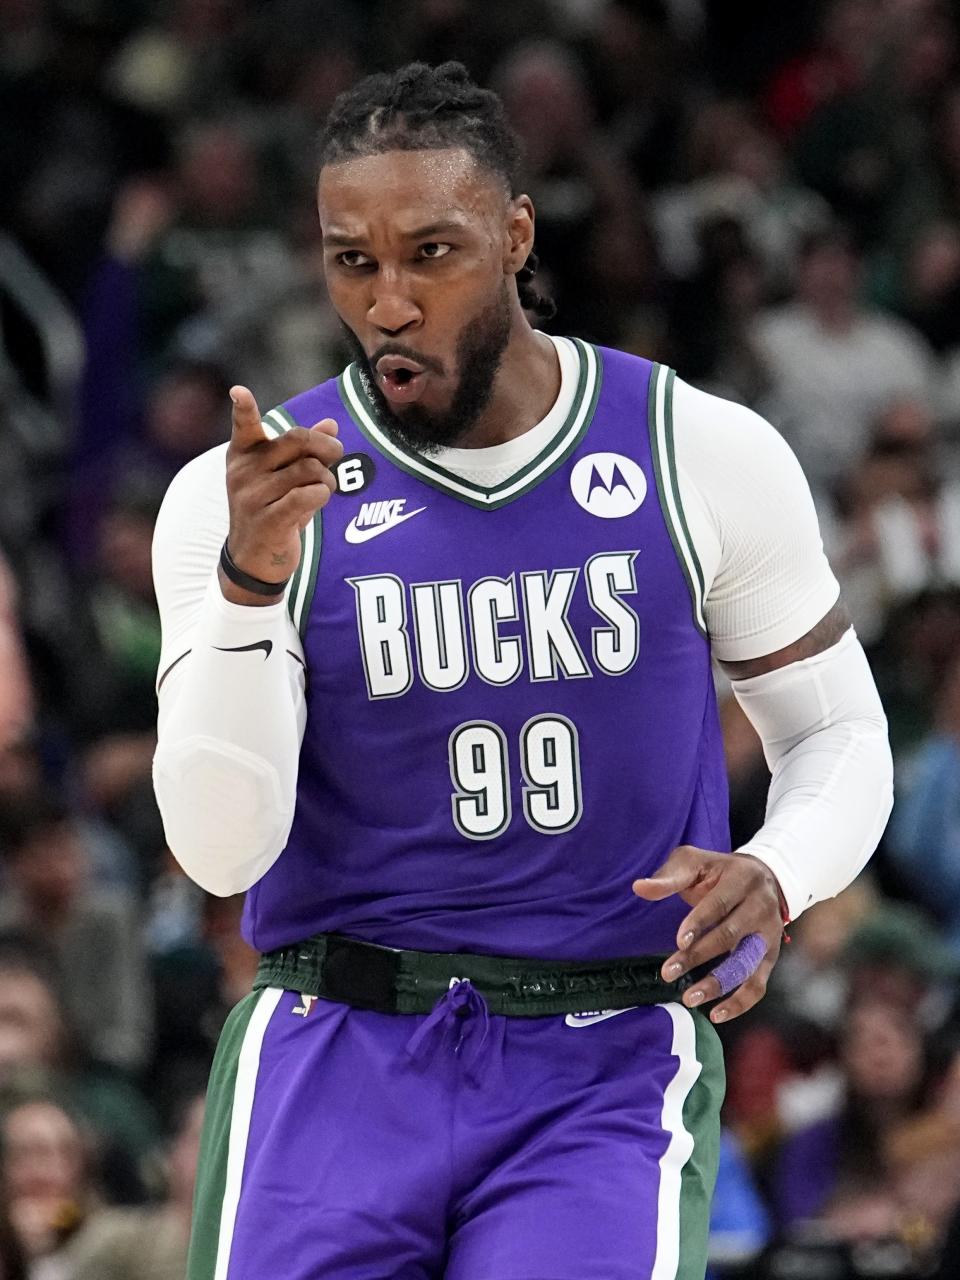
(524, 390)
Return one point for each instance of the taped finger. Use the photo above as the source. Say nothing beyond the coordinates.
(742, 962)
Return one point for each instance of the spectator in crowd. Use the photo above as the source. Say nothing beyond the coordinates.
(813, 986)
(738, 171)
(634, 53)
(901, 531)
(175, 63)
(149, 1243)
(47, 1162)
(739, 1222)
(32, 1024)
(782, 1069)
(863, 361)
(925, 838)
(728, 284)
(198, 980)
(93, 933)
(13, 1265)
(16, 693)
(912, 658)
(222, 253)
(690, 163)
(581, 188)
(839, 62)
(852, 1171)
(784, 1072)
(927, 292)
(183, 416)
(38, 1049)
(865, 148)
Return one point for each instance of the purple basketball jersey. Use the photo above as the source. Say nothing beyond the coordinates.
(511, 713)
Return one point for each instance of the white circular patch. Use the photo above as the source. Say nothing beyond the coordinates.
(608, 485)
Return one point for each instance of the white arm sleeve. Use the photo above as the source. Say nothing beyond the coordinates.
(753, 527)
(767, 583)
(824, 736)
(231, 722)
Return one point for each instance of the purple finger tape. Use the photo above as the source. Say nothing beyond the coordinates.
(742, 961)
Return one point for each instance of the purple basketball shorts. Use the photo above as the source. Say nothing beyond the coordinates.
(341, 1144)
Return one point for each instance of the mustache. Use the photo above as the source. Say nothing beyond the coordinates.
(406, 353)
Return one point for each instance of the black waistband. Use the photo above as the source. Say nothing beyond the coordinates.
(388, 980)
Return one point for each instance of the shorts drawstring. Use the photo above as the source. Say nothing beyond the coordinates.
(462, 1013)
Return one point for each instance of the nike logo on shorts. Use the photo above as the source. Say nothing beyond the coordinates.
(588, 1019)
(265, 645)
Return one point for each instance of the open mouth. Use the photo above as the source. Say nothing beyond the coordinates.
(400, 379)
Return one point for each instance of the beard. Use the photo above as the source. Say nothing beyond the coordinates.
(479, 353)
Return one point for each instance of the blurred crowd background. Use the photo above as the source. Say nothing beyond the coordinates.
(764, 196)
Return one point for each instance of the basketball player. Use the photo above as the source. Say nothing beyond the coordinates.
(436, 690)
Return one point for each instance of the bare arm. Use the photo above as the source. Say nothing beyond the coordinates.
(828, 632)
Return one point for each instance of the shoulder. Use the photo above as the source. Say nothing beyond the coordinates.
(308, 407)
(714, 436)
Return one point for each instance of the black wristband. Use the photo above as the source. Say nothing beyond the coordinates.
(246, 580)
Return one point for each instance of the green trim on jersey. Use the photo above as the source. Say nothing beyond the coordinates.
(660, 426)
(304, 581)
(701, 1119)
(215, 1143)
(525, 478)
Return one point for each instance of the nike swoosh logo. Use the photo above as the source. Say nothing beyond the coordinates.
(588, 1019)
(265, 645)
(353, 534)
(186, 654)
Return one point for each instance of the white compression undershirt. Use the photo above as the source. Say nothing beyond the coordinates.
(229, 732)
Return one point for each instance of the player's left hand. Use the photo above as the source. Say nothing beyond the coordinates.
(733, 895)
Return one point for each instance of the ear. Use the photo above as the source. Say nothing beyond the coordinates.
(518, 234)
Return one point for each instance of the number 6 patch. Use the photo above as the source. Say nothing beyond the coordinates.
(354, 472)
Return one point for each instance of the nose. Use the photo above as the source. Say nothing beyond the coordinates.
(392, 310)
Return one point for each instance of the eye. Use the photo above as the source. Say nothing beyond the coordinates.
(432, 250)
(353, 258)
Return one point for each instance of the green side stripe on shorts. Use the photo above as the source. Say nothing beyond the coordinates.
(215, 1143)
(701, 1119)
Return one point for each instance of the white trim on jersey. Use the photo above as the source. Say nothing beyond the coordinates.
(527, 476)
(299, 592)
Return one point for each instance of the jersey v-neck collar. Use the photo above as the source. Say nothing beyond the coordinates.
(561, 444)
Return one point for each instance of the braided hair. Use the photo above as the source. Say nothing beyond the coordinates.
(423, 108)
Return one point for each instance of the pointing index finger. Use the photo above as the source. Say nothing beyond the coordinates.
(247, 428)
(328, 426)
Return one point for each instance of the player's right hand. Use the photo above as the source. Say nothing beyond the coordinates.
(274, 488)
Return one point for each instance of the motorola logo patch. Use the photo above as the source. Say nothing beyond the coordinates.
(354, 472)
(608, 485)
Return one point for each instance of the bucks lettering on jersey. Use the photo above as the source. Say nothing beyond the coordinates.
(510, 707)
